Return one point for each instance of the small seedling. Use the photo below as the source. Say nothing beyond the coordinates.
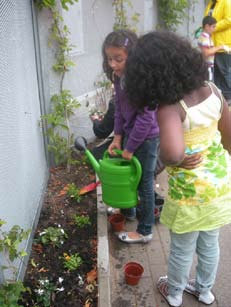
(81, 221)
(73, 192)
(53, 235)
(45, 291)
(72, 262)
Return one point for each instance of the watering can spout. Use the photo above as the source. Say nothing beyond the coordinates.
(81, 145)
(93, 161)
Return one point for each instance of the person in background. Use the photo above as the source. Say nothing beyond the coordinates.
(135, 131)
(193, 116)
(221, 11)
(103, 128)
(206, 45)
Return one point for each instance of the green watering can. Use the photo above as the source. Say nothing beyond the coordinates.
(119, 177)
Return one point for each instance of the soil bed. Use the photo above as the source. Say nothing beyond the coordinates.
(79, 287)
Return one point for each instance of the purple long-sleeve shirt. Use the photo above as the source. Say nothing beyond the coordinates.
(137, 125)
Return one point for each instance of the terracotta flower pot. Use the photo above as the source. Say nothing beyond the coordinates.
(117, 222)
(133, 272)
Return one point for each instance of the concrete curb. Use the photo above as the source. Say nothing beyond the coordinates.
(104, 299)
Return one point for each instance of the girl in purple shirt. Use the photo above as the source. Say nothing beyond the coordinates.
(135, 131)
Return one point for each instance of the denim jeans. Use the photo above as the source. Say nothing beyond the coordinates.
(147, 155)
(222, 73)
(183, 246)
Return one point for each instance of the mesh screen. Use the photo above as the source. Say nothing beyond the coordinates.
(22, 161)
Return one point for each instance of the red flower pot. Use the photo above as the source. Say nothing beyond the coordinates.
(117, 222)
(133, 272)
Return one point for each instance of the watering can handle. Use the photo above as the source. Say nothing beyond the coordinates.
(134, 160)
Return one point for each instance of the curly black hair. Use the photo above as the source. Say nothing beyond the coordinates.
(162, 69)
(122, 39)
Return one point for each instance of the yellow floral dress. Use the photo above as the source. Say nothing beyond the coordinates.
(200, 199)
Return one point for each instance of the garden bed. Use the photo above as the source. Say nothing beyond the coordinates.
(50, 274)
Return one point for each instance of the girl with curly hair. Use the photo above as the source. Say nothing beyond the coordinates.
(136, 131)
(166, 71)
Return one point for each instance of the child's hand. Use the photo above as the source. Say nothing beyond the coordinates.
(226, 48)
(112, 146)
(94, 117)
(127, 155)
(191, 161)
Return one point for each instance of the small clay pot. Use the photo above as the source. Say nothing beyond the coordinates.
(133, 272)
(117, 222)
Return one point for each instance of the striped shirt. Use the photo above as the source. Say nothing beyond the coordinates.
(205, 41)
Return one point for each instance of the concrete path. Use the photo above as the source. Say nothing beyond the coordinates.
(113, 255)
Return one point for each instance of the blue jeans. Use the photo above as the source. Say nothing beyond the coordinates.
(147, 155)
(222, 73)
(182, 249)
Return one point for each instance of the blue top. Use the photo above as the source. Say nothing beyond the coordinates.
(137, 125)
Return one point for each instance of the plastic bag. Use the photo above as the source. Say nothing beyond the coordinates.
(198, 32)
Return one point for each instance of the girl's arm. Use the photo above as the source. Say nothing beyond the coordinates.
(224, 126)
(211, 50)
(118, 119)
(118, 124)
(172, 145)
(142, 126)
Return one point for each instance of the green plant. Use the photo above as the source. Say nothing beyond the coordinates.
(10, 293)
(45, 291)
(172, 12)
(51, 4)
(11, 290)
(63, 104)
(121, 15)
(53, 235)
(9, 246)
(73, 192)
(72, 262)
(104, 91)
(81, 220)
(59, 132)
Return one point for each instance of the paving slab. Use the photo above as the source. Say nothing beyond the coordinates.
(113, 255)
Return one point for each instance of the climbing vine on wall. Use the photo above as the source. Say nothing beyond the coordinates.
(51, 4)
(171, 13)
(122, 19)
(60, 138)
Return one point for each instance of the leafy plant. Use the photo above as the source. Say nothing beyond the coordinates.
(53, 235)
(50, 4)
(56, 123)
(59, 132)
(121, 16)
(172, 12)
(9, 245)
(10, 293)
(104, 91)
(81, 221)
(72, 262)
(11, 290)
(73, 192)
(45, 291)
